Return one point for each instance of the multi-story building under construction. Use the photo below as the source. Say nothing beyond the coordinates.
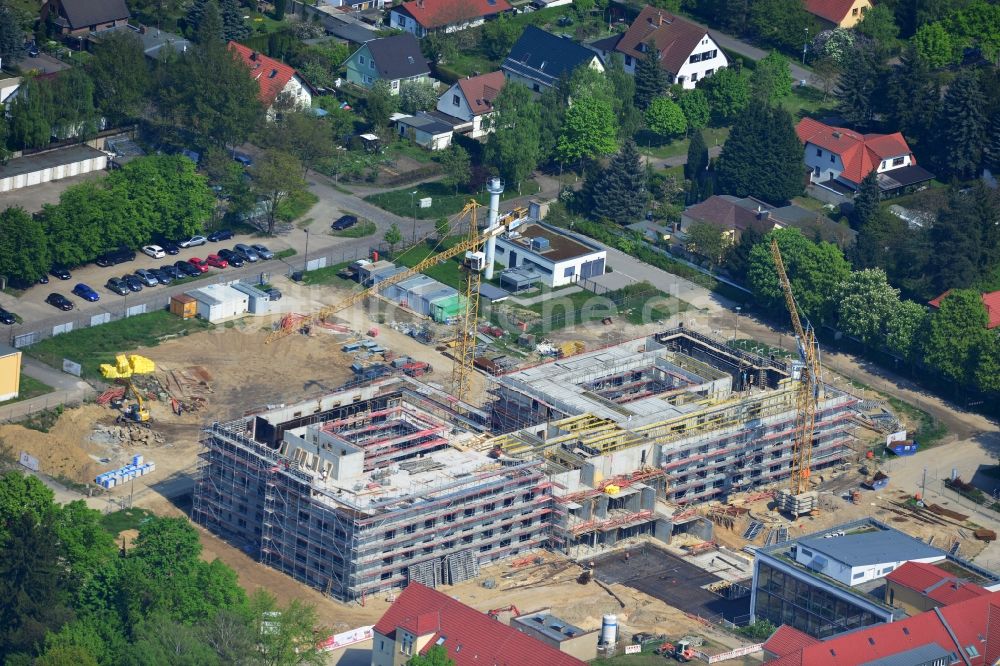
(365, 489)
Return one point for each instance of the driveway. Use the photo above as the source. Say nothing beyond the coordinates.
(43, 64)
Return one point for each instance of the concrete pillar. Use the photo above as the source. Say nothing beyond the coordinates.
(601, 508)
(495, 188)
(662, 529)
(648, 498)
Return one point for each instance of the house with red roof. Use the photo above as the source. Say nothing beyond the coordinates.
(687, 51)
(421, 618)
(838, 13)
(470, 102)
(966, 632)
(919, 587)
(278, 82)
(422, 17)
(839, 159)
(990, 299)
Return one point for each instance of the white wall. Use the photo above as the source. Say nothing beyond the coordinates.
(96, 163)
(553, 273)
(403, 21)
(691, 72)
(820, 157)
(852, 575)
(446, 103)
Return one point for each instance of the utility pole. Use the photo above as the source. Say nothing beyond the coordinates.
(923, 486)
(805, 46)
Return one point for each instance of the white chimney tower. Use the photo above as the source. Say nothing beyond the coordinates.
(495, 188)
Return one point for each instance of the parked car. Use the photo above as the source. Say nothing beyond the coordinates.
(216, 260)
(117, 286)
(161, 276)
(43, 280)
(58, 300)
(154, 251)
(171, 248)
(147, 277)
(32, 50)
(187, 269)
(273, 294)
(243, 159)
(132, 282)
(60, 272)
(194, 241)
(220, 235)
(344, 222)
(119, 256)
(199, 264)
(262, 251)
(86, 293)
(234, 259)
(247, 252)
(7, 317)
(172, 271)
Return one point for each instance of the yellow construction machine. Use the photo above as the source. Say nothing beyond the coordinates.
(124, 368)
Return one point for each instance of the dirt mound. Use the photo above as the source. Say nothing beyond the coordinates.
(66, 450)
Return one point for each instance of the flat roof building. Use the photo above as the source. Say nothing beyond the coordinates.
(558, 257)
(545, 627)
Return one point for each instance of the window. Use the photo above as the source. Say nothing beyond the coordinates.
(832, 158)
(367, 79)
(897, 161)
(819, 152)
(854, 11)
(395, 85)
(858, 575)
(708, 72)
(536, 88)
(695, 58)
(972, 651)
(628, 61)
(694, 76)
(361, 60)
(569, 272)
(456, 100)
(371, 64)
(406, 644)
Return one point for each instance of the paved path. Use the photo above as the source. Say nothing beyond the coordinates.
(669, 283)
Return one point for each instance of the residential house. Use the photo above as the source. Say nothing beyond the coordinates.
(8, 87)
(688, 52)
(470, 101)
(393, 59)
(357, 5)
(838, 13)
(548, 255)
(276, 80)
(967, 633)
(424, 129)
(839, 159)
(156, 44)
(422, 17)
(538, 59)
(78, 18)
(732, 216)
(990, 299)
(421, 618)
(920, 587)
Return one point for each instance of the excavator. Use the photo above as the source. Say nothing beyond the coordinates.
(124, 368)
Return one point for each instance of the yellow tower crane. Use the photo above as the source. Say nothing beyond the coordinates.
(472, 264)
(809, 387)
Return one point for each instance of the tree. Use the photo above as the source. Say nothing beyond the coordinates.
(913, 97)
(815, 270)
(551, 112)
(650, 79)
(279, 9)
(878, 236)
(697, 157)
(287, 634)
(987, 365)
(276, 176)
(436, 656)
(933, 43)
(965, 239)
(513, 148)
(499, 35)
(728, 93)
(623, 97)
(879, 25)
(442, 227)
(866, 201)
(393, 236)
(620, 194)
(962, 127)
(416, 96)
(11, 34)
(121, 76)
(865, 304)
(380, 104)
(706, 241)
(22, 494)
(234, 28)
(666, 118)
(590, 130)
(24, 249)
(955, 333)
(694, 104)
(160, 640)
(762, 157)
(991, 149)
(771, 80)
(209, 27)
(780, 23)
(306, 136)
(456, 165)
(826, 72)
(30, 126)
(857, 88)
(73, 114)
(904, 327)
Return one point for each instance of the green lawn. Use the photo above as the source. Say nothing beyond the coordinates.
(808, 101)
(296, 205)
(650, 144)
(30, 388)
(126, 519)
(444, 201)
(328, 275)
(360, 230)
(411, 150)
(447, 273)
(98, 344)
(564, 310)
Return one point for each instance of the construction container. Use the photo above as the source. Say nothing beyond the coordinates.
(609, 629)
(183, 306)
(447, 308)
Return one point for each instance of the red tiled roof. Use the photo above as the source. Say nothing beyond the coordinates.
(859, 153)
(966, 623)
(788, 639)
(725, 213)
(271, 75)
(834, 11)
(990, 299)
(471, 638)
(480, 91)
(935, 583)
(675, 37)
(436, 13)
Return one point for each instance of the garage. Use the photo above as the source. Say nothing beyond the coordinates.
(50, 165)
(218, 302)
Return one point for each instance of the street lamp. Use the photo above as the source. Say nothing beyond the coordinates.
(736, 327)
(413, 214)
(805, 46)
(305, 262)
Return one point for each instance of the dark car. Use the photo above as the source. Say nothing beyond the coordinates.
(86, 293)
(187, 269)
(170, 247)
(7, 317)
(262, 251)
(117, 286)
(61, 272)
(32, 49)
(146, 277)
(220, 235)
(172, 271)
(243, 159)
(247, 252)
(233, 257)
(132, 282)
(59, 301)
(161, 275)
(273, 294)
(344, 222)
(119, 256)
(43, 280)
